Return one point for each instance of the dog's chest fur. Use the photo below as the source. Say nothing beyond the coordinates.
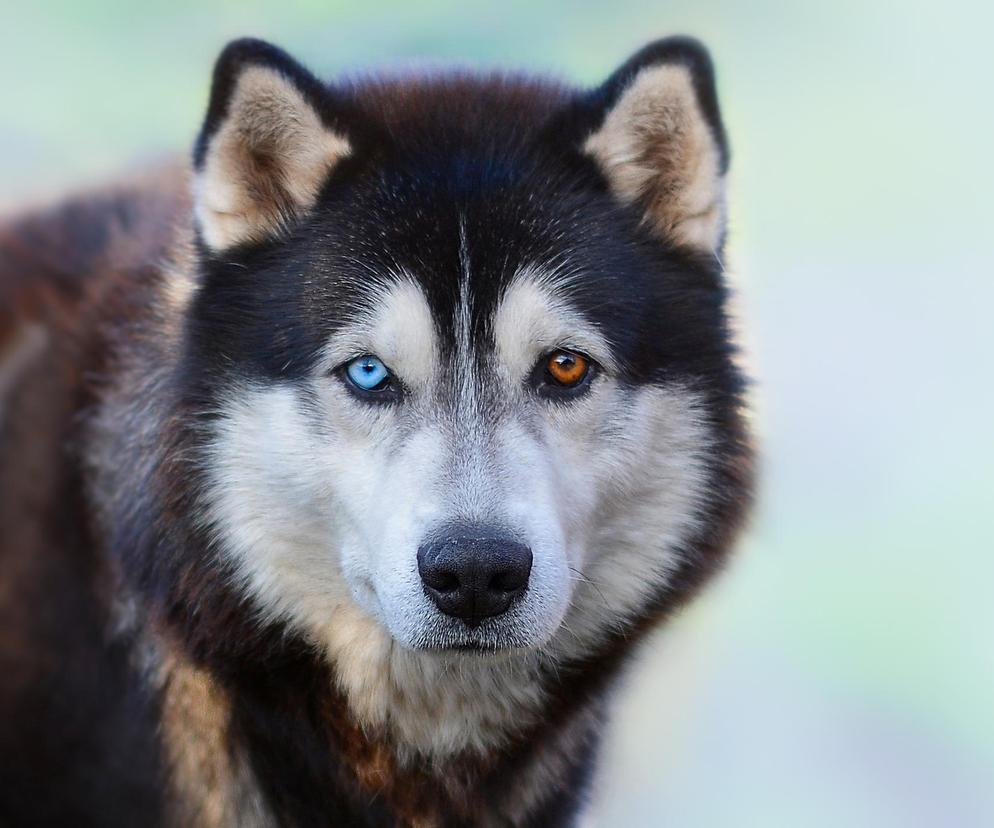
(270, 753)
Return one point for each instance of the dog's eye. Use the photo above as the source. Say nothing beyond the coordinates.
(563, 373)
(368, 373)
(567, 368)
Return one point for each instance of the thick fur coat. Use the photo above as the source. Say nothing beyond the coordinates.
(214, 603)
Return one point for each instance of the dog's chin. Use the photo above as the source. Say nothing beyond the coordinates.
(470, 647)
(492, 637)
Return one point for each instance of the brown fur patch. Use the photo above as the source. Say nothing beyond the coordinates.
(212, 787)
(655, 147)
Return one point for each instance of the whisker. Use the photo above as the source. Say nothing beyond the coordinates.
(584, 577)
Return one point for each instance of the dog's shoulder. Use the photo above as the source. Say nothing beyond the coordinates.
(57, 259)
(65, 269)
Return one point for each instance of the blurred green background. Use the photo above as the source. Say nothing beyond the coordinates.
(842, 672)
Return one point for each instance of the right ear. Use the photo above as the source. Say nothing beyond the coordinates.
(658, 139)
(266, 147)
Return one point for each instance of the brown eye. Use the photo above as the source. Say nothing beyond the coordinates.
(567, 368)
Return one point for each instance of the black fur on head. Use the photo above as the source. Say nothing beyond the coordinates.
(504, 152)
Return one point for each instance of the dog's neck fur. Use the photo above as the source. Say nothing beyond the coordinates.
(279, 741)
(283, 745)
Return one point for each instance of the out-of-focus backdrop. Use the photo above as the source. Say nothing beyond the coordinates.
(842, 672)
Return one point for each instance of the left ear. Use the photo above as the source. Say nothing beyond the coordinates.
(267, 146)
(660, 143)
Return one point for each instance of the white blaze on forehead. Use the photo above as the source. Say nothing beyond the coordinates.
(398, 328)
(532, 319)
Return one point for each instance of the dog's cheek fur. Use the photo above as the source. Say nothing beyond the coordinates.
(615, 483)
(283, 473)
(652, 461)
(265, 468)
(272, 509)
(621, 472)
(386, 488)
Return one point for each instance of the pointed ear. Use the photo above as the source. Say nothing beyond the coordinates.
(266, 147)
(659, 141)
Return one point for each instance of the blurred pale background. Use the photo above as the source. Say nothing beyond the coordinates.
(842, 672)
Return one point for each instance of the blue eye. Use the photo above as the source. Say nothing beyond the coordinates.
(368, 373)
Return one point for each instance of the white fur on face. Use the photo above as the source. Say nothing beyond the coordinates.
(323, 499)
(629, 466)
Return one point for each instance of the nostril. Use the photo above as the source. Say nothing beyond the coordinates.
(507, 581)
(438, 576)
(443, 582)
(510, 567)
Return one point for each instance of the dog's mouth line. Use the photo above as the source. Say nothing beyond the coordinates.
(475, 649)
(473, 641)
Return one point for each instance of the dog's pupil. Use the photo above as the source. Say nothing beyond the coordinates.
(567, 368)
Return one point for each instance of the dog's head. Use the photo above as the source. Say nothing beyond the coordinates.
(462, 341)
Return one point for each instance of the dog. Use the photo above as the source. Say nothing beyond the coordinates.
(345, 467)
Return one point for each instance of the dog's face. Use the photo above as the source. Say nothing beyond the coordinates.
(462, 342)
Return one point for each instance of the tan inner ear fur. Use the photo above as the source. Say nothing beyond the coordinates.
(266, 163)
(655, 146)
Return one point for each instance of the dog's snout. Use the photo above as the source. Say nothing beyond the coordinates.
(473, 573)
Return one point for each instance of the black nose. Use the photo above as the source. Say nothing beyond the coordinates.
(473, 573)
